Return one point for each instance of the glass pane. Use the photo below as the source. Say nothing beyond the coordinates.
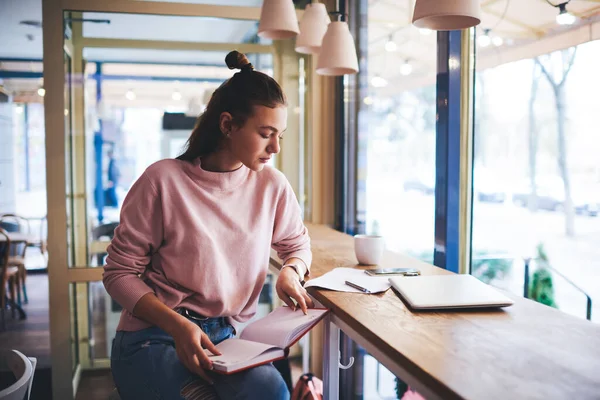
(171, 28)
(397, 132)
(74, 334)
(396, 148)
(22, 157)
(68, 114)
(137, 114)
(130, 107)
(537, 177)
(104, 318)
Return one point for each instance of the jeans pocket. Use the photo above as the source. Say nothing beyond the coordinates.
(221, 333)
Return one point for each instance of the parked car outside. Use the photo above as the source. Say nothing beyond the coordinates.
(422, 184)
(552, 198)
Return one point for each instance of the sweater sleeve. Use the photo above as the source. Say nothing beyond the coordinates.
(290, 236)
(137, 237)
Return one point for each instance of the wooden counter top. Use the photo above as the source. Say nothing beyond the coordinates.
(526, 351)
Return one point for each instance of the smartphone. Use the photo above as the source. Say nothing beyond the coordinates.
(393, 271)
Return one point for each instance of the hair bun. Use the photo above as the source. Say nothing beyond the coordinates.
(237, 60)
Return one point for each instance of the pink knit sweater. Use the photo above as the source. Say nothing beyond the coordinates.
(201, 239)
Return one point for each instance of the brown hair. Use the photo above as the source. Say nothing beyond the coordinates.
(237, 96)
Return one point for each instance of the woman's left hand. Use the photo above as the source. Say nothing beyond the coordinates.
(289, 289)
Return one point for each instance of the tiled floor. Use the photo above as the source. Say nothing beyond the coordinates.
(31, 336)
(95, 385)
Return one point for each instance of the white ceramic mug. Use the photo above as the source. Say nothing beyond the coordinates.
(368, 249)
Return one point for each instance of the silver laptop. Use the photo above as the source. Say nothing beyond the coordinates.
(430, 292)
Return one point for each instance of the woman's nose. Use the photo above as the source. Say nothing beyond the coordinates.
(274, 147)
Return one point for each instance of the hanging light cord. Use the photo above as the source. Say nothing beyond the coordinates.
(557, 5)
(502, 16)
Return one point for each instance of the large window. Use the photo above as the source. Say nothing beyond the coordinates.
(537, 177)
(396, 149)
(398, 131)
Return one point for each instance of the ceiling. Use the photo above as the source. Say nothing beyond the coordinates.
(518, 23)
(161, 90)
(25, 41)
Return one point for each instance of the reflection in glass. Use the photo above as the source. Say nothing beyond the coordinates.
(138, 122)
(171, 28)
(397, 147)
(398, 134)
(104, 318)
(69, 176)
(74, 334)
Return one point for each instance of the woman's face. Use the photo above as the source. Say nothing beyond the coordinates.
(255, 142)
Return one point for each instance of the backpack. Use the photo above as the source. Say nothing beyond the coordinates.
(308, 387)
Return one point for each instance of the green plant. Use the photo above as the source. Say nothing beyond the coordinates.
(484, 265)
(487, 268)
(541, 288)
(401, 388)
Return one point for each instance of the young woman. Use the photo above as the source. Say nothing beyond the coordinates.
(190, 255)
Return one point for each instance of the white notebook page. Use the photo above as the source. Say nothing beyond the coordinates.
(239, 351)
(281, 327)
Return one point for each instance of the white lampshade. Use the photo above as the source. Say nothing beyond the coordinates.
(312, 28)
(446, 15)
(278, 20)
(338, 54)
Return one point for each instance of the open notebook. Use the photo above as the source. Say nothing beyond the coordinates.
(265, 340)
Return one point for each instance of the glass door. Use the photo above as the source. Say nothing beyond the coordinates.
(110, 91)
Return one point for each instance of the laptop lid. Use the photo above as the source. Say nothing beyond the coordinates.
(427, 292)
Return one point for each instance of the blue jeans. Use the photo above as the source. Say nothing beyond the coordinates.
(145, 366)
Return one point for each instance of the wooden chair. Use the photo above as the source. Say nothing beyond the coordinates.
(41, 239)
(17, 252)
(9, 275)
(23, 369)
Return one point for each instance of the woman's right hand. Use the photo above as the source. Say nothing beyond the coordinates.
(190, 341)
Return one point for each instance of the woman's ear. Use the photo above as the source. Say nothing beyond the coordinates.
(226, 123)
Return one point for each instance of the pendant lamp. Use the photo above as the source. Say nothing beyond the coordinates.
(338, 53)
(278, 20)
(446, 15)
(312, 29)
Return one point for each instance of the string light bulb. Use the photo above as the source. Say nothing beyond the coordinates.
(390, 45)
(564, 17)
(406, 68)
(484, 40)
(378, 82)
(130, 95)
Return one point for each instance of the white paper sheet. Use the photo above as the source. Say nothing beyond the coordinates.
(336, 278)
(281, 327)
(239, 353)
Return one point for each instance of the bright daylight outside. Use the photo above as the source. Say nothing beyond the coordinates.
(536, 176)
(536, 189)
